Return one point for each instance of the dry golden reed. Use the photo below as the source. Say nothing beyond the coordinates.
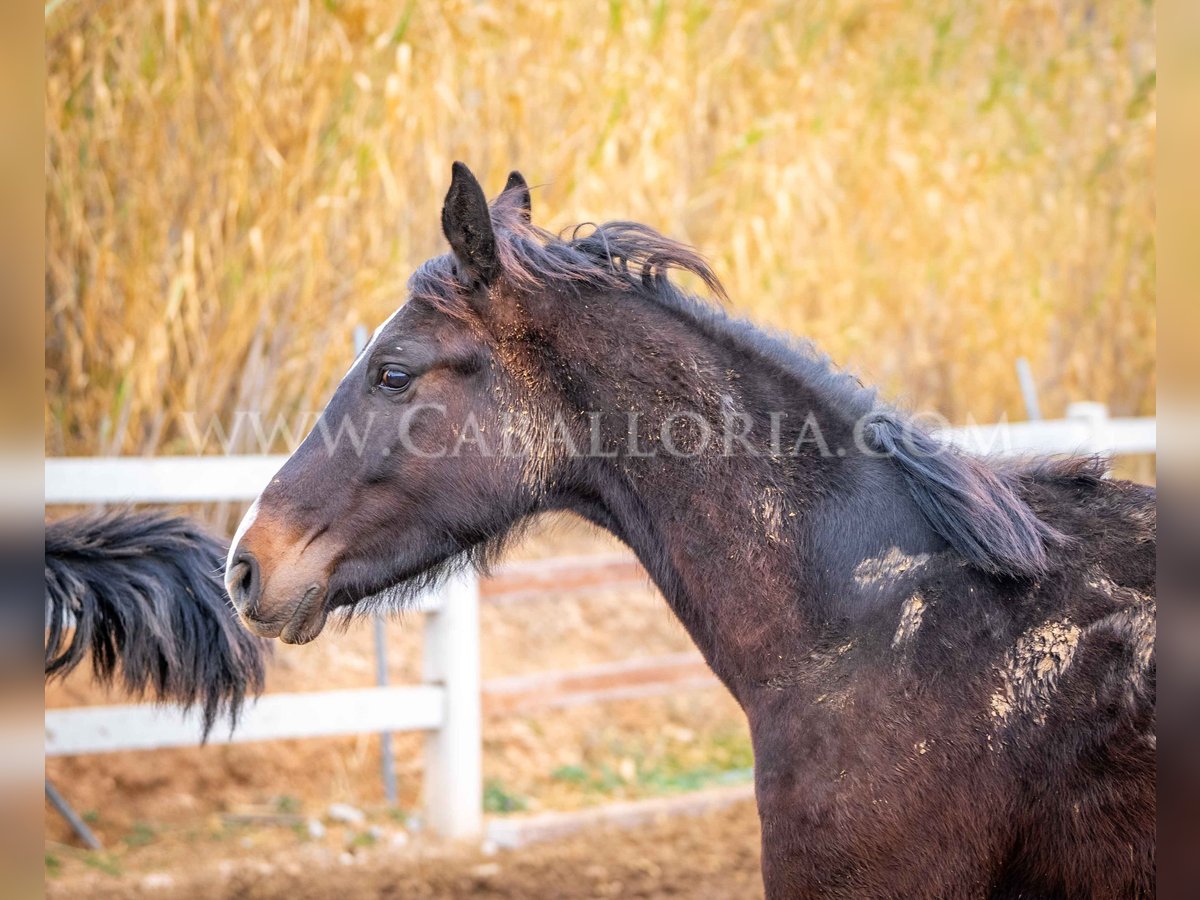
(929, 189)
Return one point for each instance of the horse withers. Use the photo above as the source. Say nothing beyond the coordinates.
(947, 664)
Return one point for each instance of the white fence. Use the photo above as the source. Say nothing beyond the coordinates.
(447, 704)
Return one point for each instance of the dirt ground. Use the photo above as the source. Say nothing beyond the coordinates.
(715, 855)
(171, 819)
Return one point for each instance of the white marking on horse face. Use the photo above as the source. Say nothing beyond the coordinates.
(891, 565)
(243, 527)
(371, 343)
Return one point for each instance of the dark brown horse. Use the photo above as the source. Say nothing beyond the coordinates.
(947, 665)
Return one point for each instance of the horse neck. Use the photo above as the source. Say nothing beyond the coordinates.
(736, 597)
(726, 537)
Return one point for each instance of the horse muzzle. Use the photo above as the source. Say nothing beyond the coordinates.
(295, 619)
(279, 586)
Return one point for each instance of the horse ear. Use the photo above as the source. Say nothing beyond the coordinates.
(467, 225)
(517, 184)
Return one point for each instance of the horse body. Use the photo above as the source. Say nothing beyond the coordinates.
(947, 666)
(965, 741)
(920, 727)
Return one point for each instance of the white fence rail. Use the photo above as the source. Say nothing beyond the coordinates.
(107, 729)
(1087, 429)
(447, 705)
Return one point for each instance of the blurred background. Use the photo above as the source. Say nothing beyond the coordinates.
(929, 190)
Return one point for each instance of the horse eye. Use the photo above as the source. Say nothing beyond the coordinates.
(394, 379)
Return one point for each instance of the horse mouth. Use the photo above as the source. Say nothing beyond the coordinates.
(301, 625)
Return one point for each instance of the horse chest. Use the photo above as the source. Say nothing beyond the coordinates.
(856, 796)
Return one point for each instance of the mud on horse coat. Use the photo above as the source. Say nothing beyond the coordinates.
(947, 665)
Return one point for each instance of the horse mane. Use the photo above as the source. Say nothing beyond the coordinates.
(972, 503)
(139, 593)
(974, 506)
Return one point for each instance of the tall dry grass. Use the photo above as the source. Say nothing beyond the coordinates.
(929, 189)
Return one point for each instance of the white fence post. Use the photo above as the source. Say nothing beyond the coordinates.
(454, 752)
(1095, 414)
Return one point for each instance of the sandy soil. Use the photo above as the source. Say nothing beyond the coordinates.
(715, 855)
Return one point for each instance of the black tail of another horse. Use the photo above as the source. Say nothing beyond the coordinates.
(140, 594)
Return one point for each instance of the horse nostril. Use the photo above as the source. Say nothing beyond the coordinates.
(243, 581)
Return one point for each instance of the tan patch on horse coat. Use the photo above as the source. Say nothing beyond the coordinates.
(911, 614)
(771, 513)
(891, 565)
(1031, 671)
(1102, 583)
